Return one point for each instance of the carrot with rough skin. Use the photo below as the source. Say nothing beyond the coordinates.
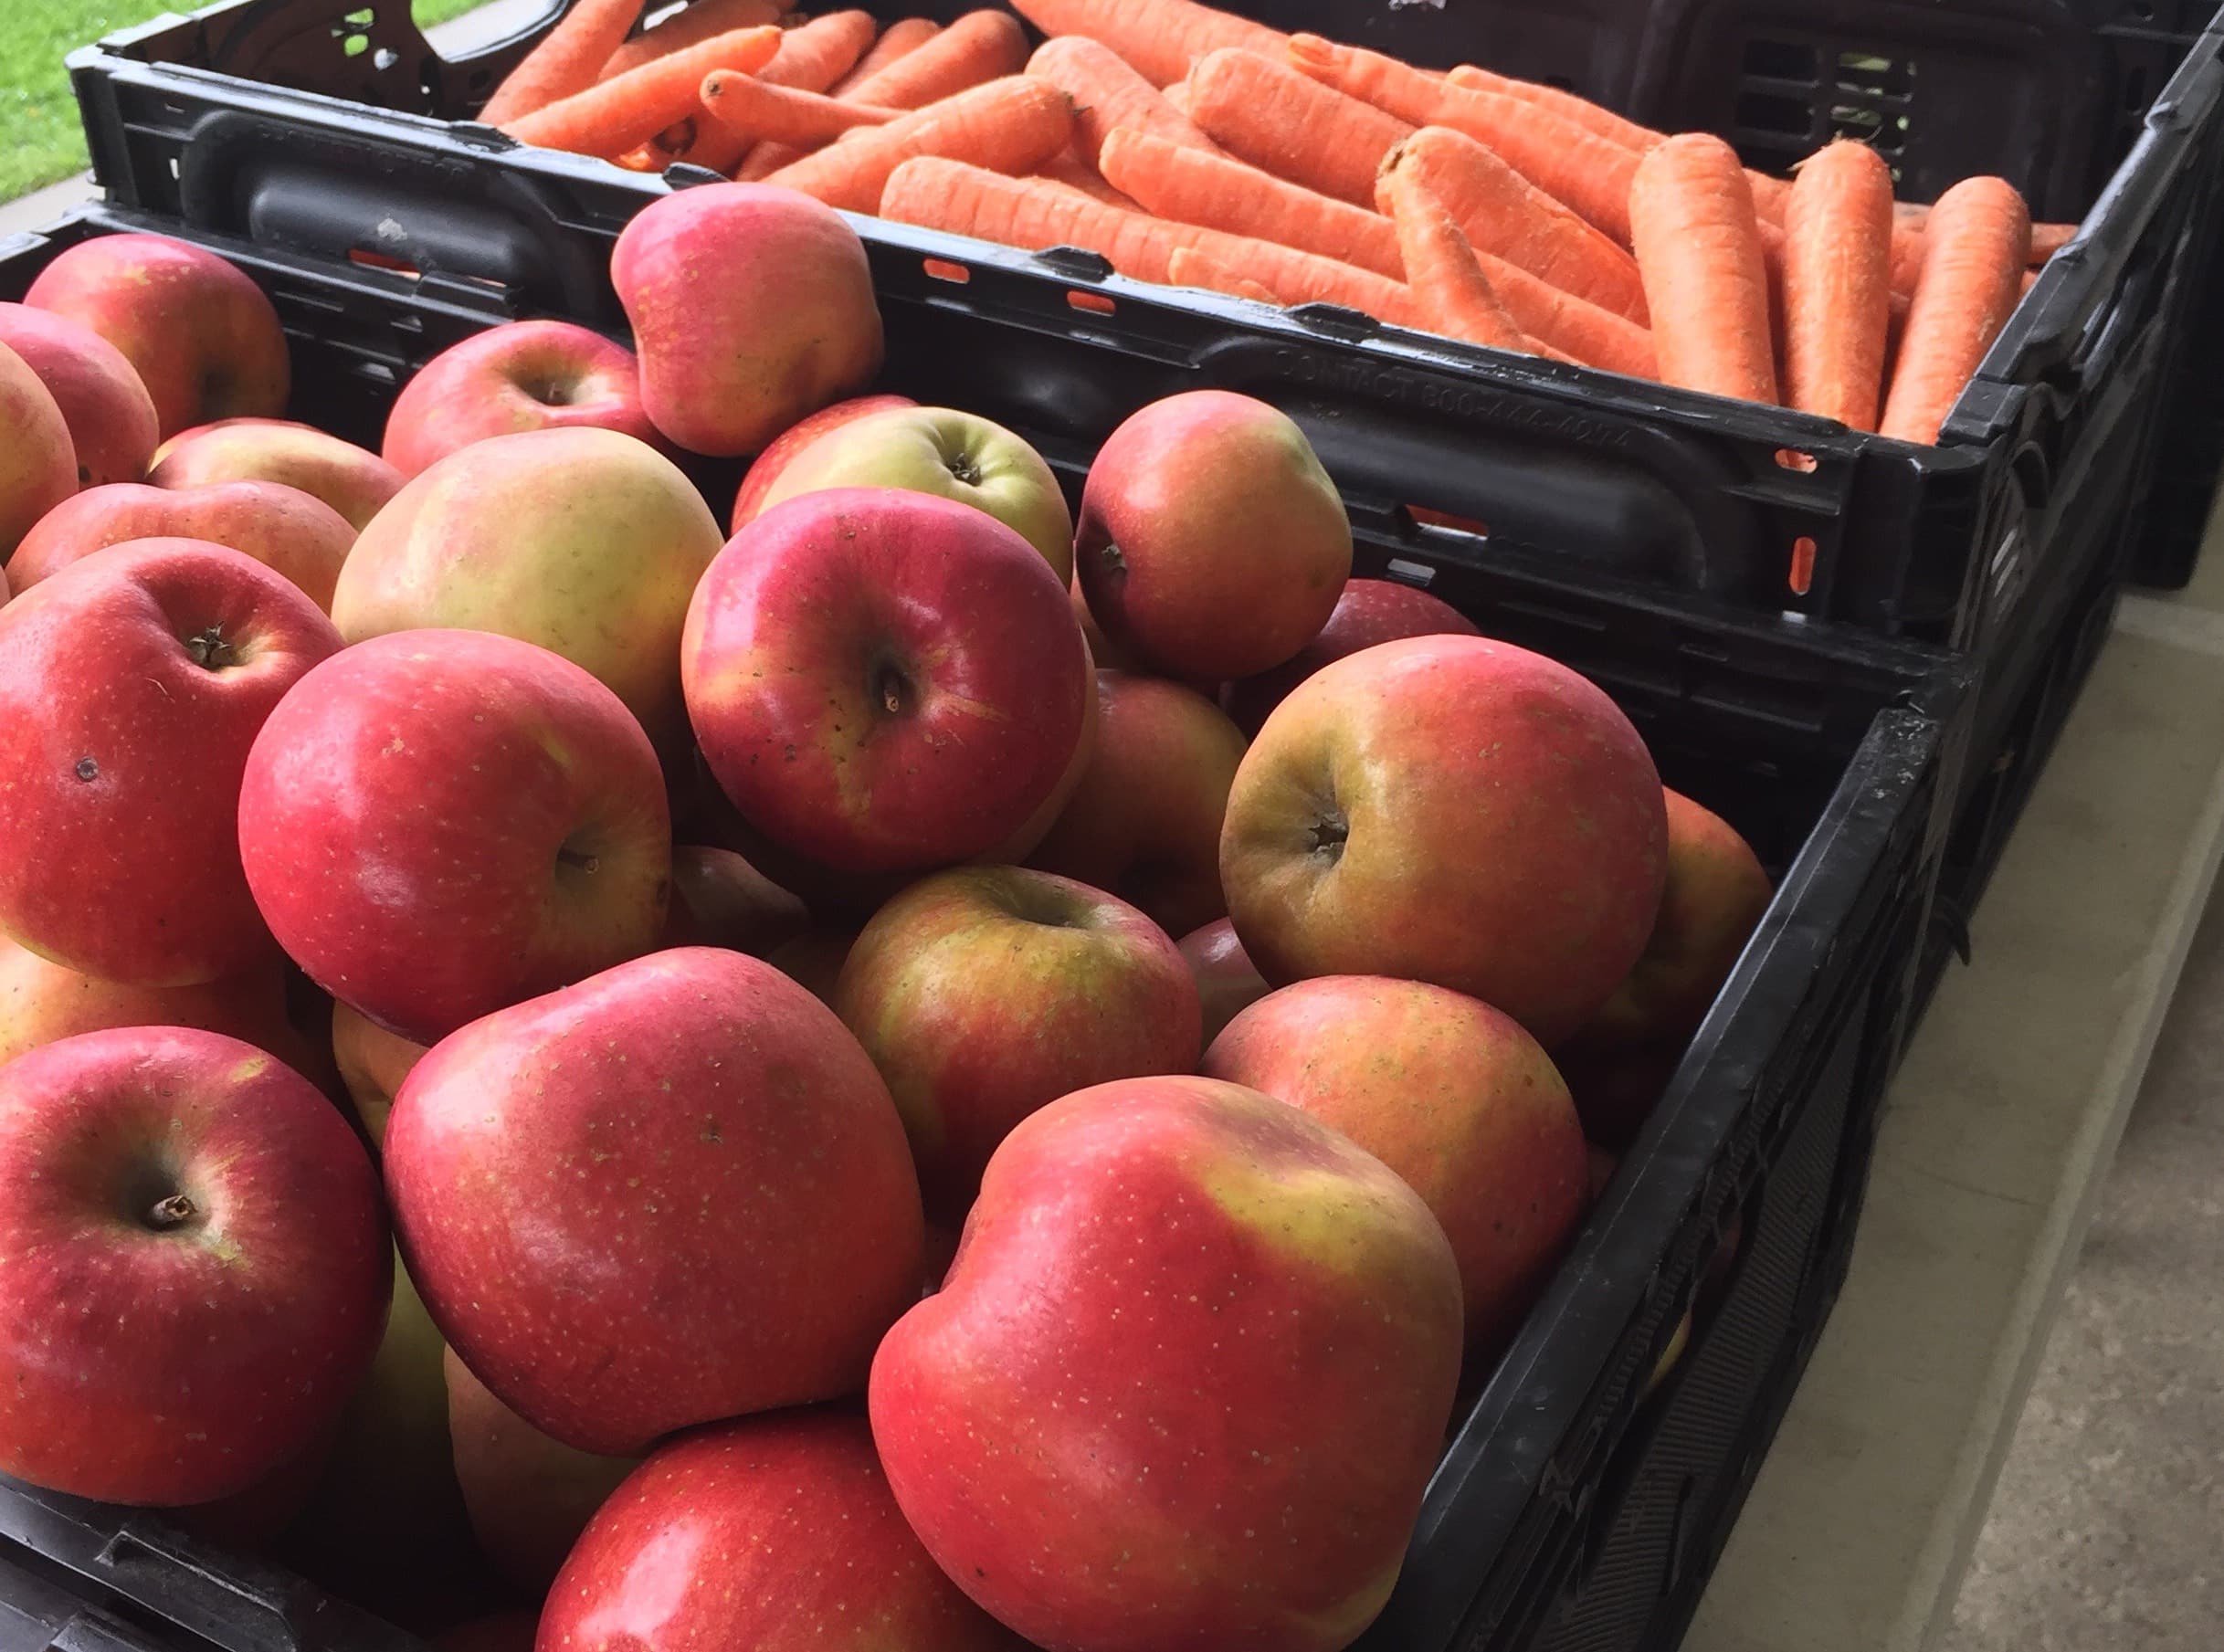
(703, 20)
(1569, 163)
(1706, 281)
(1030, 213)
(1567, 327)
(1177, 97)
(1837, 284)
(1440, 267)
(1107, 93)
(1980, 237)
(1501, 212)
(613, 116)
(1068, 168)
(2046, 239)
(567, 59)
(1266, 112)
(759, 110)
(1014, 124)
(904, 35)
(811, 57)
(1160, 39)
(1219, 192)
(1187, 267)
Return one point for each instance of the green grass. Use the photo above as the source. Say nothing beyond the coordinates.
(40, 139)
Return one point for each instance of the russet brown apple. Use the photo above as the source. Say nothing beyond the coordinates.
(203, 337)
(1453, 810)
(521, 375)
(1450, 1093)
(38, 465)
(352, 481)
(290, 532)
(1185, 1381)
(112, 420)
(1370, 611)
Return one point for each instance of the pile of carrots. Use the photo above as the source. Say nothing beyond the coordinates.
(1192, 147)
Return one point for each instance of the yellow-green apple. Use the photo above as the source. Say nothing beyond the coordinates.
(1227, 983)
(735, 1184)
(885, 681)
(511, 1631)
(1144, 821)
(814, 960)
(1186, 1380)
(720, 899)
(942, 451)
(776, 1534)
(384, 1523)
(752, 306)
(109, 414)
(352, 481)
(985, 993)
(372, 1062)
(294, 533)
(1450, 1093)
(440, 824)
(766, 469)
(133, 686)
(1370, 611)
(42, 1002)
(521, 375)
(203, 337)
(585, 541)
(529, 1495)
(1211, 542)
(194, 1260)
(1453, 810)
(38, 465)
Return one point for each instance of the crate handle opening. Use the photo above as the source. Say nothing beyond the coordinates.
(1096, 303)
(1793, 458)
(1803, 565)
(943, 270)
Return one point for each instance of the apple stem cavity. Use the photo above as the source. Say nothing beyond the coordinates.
(893, 690)
(578, 859)
(172, 1213)
(1329, 833)
(210, 652)
(967, 469)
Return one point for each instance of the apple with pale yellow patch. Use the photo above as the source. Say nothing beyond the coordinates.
(352, 481)
(1185, 1381)
(372, 1062)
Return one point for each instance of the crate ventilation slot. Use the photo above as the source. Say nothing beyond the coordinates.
(1794, 96)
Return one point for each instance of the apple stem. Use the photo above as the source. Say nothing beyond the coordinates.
(173, 1212)
(209, 649)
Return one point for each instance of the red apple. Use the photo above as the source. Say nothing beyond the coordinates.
(767, 468)
(352, 481)
(752, 306)
(737, 1201)
(437, 824)
(1186, 1383)
(985, 993)
(530, 1497)
(293, 533)
(39, 466)
(720, 899)
(109, 414)
(137, 681)
(200, 335)
(1450, 1094)
(1211, 542)
(1452, 810)
(950, 454)
(1370, 611)
(885, 681)
(584, 542)
(521, 375)
(42, 1002)
(1227, 983)
(775, 1534)
(372, 1062)
(195, 1261)
(1144, 821)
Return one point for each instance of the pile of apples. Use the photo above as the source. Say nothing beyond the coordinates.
(928, 1073)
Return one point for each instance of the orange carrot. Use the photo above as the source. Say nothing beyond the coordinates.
(1068, 168)
(1561, 325)
(979, 47)
(1159, 38)
(1220, 193)
(1441, 268)
(900, 37)
(1013, 125)
(611, 117)
(2046, 239)
(1980, 237)
(566, 60)
(1576, 110)
(1706, 283)
(1837, 284)
(1189, 267)
(1266, 112)
(1177, 95)
(784, 114)
(1570, 162)
(1107, 93)
(811, 57)
(1031, 213)
(699, 22)
(1501, 212)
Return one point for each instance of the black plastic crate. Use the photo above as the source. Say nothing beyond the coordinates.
(1836, 755)
(329, 127)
